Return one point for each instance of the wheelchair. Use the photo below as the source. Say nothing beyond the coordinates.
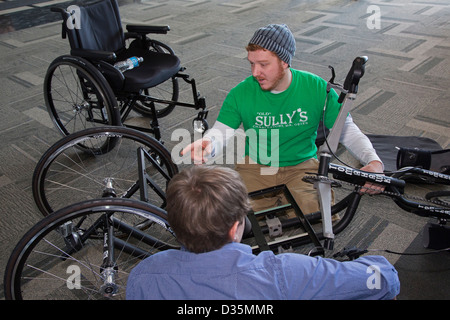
(84, 89)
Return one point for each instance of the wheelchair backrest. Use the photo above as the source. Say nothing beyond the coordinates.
(99, 28)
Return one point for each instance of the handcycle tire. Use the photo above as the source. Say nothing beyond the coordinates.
(26, 264)
(66, 163)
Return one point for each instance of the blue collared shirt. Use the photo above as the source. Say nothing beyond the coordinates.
(234, 272)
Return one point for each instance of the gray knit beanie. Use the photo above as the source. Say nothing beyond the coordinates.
(276, 38)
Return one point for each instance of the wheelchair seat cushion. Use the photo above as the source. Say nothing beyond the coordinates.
(155, 69)
(99, 33)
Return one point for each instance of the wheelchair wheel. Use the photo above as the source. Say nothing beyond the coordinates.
(136, 166)
(71, 255)
(168, 90)
(78, 97)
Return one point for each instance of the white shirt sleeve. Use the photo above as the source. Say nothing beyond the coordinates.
(357, 143)
(219, 134)
(352, 138)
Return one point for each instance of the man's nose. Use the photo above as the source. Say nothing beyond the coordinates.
(256, 71)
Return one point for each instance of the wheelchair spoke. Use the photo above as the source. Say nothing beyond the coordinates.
(77, 98)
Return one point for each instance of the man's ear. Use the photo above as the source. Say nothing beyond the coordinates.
(232, 232)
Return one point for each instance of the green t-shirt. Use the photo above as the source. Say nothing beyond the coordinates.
(281, 128)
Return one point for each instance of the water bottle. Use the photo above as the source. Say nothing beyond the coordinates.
(128, 64)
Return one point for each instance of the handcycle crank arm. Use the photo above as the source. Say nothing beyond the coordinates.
(332, 142)
(348, 95)
(323, 187)
(324, 192)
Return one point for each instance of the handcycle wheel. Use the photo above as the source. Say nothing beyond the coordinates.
(63, 255)
(114, 162)
(77, 96)
(168, 90)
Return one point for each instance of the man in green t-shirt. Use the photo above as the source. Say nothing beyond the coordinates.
(280, 109)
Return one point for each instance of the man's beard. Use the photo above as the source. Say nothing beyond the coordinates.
(277, 80)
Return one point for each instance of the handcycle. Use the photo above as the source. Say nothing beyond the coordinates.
(85, 249)
(84, 89)
(103, 192)
(271, 233)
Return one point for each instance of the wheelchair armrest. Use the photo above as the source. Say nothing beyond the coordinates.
(144, 29)
(94, 54)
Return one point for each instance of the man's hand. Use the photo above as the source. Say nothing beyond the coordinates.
(200, 150)
(369, 187)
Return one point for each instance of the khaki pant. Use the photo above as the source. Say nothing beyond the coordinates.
(303, 192)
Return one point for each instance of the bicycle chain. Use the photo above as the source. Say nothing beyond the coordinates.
(339, 183)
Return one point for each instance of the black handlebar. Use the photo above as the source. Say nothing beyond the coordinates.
(353, 76)
(57, 9)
